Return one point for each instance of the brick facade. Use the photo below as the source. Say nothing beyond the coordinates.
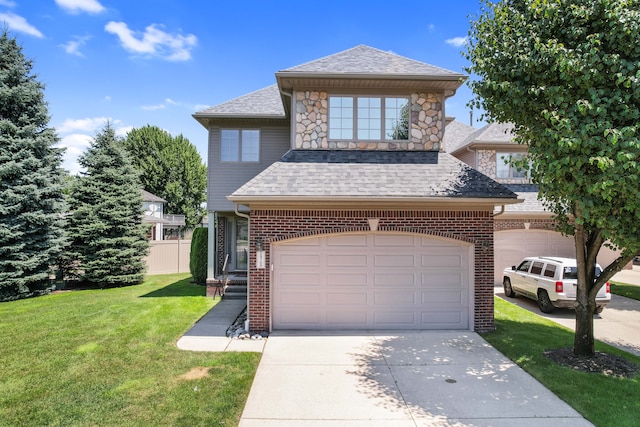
(270, 226)
(520, 224)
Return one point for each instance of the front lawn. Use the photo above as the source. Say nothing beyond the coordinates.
(108, 357)
(629, 291)
(523, 336)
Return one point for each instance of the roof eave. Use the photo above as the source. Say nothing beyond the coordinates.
(391, 202)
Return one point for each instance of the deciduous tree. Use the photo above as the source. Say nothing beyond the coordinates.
(566, 73)
(170, 168)
(31, 199)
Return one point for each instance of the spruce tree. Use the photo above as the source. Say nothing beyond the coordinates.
(31, 199)
(108, 240)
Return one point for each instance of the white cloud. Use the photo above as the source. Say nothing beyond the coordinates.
(457, 41)
(79, 6)
(200, 107)
(77, 135)
(153, 42)
(75, 145)
(107, 98)
(153, 107)
(170, 101)
(19, 24)
(90, 125)
(72, 47)
(431, 27)
(8, 3)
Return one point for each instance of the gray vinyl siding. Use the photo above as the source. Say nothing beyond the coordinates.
(226, 177)
(468, 157)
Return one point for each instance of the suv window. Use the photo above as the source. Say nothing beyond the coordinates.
(524, 266)
(537, 267)
(550, 271)
(572, 272)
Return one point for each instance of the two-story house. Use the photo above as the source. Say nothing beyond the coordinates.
(332, 189)
(523, 229)
(162, 226)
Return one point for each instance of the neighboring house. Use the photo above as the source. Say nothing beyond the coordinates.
(332, 190)
(521, 230)
(162, 226)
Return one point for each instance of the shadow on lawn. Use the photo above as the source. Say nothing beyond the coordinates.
(181, 288)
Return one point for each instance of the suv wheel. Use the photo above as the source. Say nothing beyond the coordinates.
(544, 302)
(508, 289)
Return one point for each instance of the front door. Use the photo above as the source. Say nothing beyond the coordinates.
(237, 243)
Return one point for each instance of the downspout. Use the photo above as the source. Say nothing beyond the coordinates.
(243, 215)
(501, 211)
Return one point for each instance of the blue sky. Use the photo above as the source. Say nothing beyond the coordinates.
(139, 62)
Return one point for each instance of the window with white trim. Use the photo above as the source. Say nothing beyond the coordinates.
(240, 145)
(371, 118)
(505, 167)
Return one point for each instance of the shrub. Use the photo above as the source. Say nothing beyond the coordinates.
(198, 259)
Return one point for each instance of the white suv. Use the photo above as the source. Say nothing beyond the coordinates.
(552, 281)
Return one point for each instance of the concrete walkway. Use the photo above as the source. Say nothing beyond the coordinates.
(402, 379)
(630, 277)
(210, 332)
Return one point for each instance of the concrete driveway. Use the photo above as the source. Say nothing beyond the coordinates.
(401, 379)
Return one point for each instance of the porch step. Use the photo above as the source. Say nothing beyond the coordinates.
(236, 291)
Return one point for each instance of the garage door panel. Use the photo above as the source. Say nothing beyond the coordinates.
(346, 260)
(455, 297)
(395, 280)
(346, 279)
(392, 281)
(442, 261)
(393, 299)
(300, 298)
(354, 318)
(299, 260)
(300, 279)
(347, 298)
(398, 261)
(442, 318)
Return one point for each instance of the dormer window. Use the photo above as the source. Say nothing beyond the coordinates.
(368, 118)
(505, 167)
(240, 145)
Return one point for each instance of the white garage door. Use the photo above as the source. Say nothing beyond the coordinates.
(371, 281)
(513, 245)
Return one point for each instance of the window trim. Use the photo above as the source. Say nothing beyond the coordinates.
(382, 119)
(240, 139)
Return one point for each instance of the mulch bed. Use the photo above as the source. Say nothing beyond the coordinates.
(601, 363)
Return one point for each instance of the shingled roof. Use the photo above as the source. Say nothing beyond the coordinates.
(491, 134)
(365, 175)
(263, 103)
(364, 59)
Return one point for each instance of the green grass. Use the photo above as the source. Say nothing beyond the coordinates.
(629, 291)
(523, 337)
(109, 357)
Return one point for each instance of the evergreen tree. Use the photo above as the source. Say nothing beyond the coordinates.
(108, 240)
(31, 200)
(170, 168)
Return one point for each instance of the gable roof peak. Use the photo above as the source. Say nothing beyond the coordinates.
(363, 59)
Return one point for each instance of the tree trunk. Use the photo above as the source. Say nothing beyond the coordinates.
(583, 341)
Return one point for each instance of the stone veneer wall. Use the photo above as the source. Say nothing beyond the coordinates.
(312, 127)
(271, 226)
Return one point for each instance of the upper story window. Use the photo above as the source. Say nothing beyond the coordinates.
(505, 168)
(368, 118)
(240, 145)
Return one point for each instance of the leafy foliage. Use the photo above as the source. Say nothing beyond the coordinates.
(108, 240)
(170, 168)
(198, 260)
(566, 73)
(31, 199)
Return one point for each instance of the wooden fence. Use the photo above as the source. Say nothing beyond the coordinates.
(168, 256)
